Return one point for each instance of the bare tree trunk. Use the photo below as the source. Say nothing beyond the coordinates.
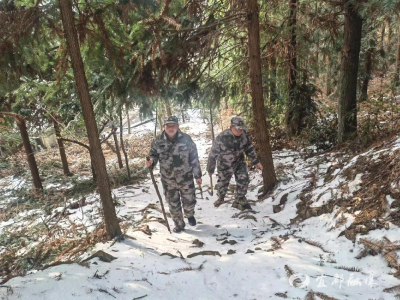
(317, 57)
(368, 69)
(121, 137)
(328, 76)
(272, 82)
(127, 117)
(347, 116)
(389, 35)
(155, 126)
(117, 148)
(304, 75)
(397, 71)
(99, 164)
(168, 109)
(212, 125)
(317, 71)
(29, 153)
(221, 125)
(160, 121)
(88, 149)
(261, 133)
(292, 113)
(266, 67)
(61, 149)
(93, 171)
(382, 50)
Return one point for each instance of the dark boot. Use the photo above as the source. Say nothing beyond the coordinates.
(242, 203)
(237, 205)
(192, 221)
(246, 206)
(218, 202)
(178, 229)
(179, 226)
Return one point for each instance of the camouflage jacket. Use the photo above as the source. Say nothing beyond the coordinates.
(178, 158)
(228, 149)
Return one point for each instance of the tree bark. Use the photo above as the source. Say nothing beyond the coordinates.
(292, 113)
(160, 121)
(76, 142)
(397, 71)
(266, 68)
(61, 149)
(99, 164)
(367, 76)
(382, 50)
(168, 109)
(121, 137)
(389, 35)
(93, 171)
(261, 133)
(212, 125)
(347, 116)
(155, 126)
(29, 153)
(127, 117)
(272, 82)
(328, 76)
(117, 148)
(88, 149)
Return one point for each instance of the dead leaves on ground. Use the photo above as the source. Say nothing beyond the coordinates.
(384, 247)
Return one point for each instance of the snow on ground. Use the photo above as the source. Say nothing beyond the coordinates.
(263, 247)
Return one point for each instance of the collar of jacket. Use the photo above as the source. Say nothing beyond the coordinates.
(165, 137)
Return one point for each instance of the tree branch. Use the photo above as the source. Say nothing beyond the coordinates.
(103, 126)
(107, 137)
(76, 142)
(14, 115)
(228, 18)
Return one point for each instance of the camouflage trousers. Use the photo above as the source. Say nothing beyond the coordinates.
(179, 197)
(241, 178)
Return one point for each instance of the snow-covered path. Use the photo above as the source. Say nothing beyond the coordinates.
(263, 248)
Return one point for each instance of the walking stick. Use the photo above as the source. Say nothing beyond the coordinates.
(201, 191)
(158, 193)
(211, 185)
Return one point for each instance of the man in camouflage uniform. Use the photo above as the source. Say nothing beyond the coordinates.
(178, 158)
(228, 150)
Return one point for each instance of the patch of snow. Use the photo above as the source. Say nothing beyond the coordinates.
(355, 185)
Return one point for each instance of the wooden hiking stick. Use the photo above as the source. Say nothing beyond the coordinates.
(158, 193)
(201, 191)
(211, 185)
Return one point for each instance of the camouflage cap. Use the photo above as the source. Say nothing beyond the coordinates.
(238, 122)
(171, 120)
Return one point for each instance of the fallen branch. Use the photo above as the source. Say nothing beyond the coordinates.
(199, 268)
(106, 292)
(213, 253)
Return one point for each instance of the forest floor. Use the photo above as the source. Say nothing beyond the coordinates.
(328, 231)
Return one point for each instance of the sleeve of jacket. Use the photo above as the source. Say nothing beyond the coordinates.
(212, 157)
(250, 151)
(154, 155)
(194, 160)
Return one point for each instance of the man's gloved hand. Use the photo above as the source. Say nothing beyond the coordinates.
(199, 180)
